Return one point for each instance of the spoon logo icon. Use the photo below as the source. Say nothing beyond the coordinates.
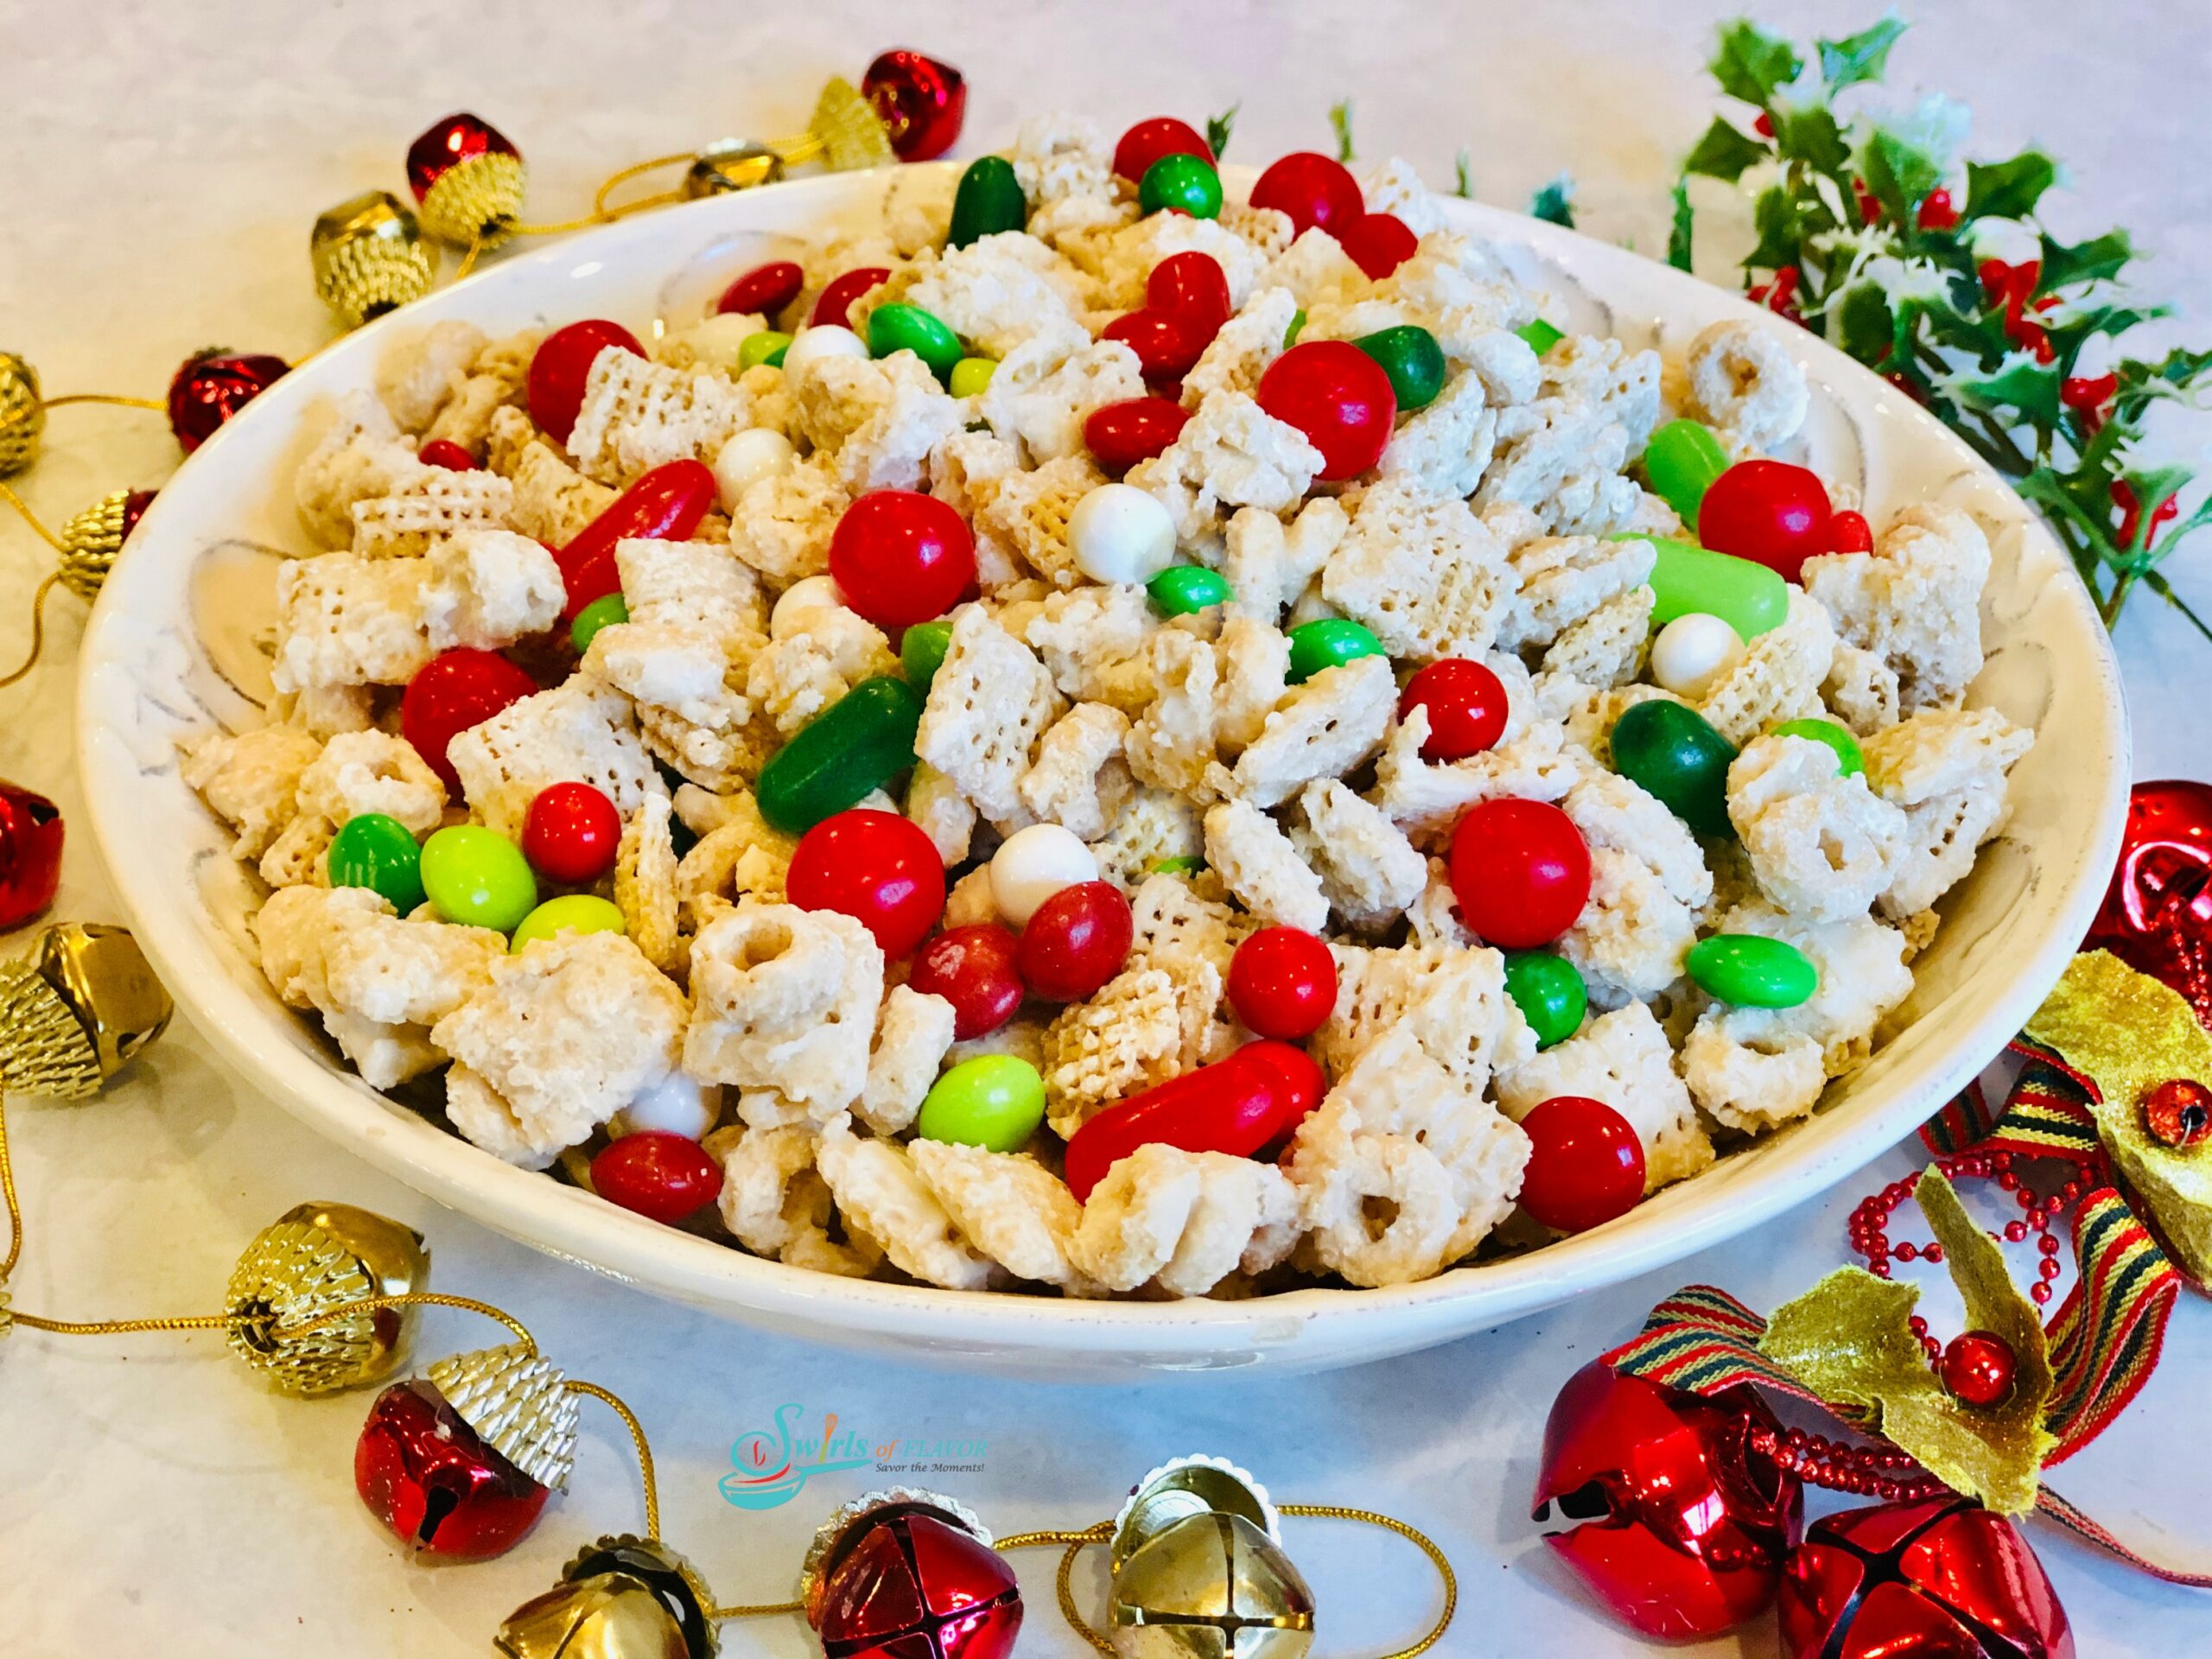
(769, 1468)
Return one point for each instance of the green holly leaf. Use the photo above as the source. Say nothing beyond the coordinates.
(1861, 57)
(2099, 259)
(2009, 189)
(1678, 235)
(1750, 63)
(1340, 120)
(2020, 389)
(1724, 153)
(1811, 135)
(1780, 222)
(1555, 202)
(1865, 325)
(1463, 166)
(1220, 126)
(2180, 375)
(1898, 172)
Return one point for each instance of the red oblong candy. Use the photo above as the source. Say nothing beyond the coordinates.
(1378, 243)
(1237, 1106)
(1312, 189)
(445, 453)
(763, 290)
(453, 691)
(1769, 512)
(1166, 349)
(1190, 287)
(1150, 139)
(664, 505)
(901, 557)
(661, 1176)
(1339, 397)
(837, 299)
(560, 366)
(1121, 435)
(973, 968)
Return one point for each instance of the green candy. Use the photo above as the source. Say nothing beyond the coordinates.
(380, 853)
(1297, 322)
(901, 327)
(996, 1102)
(1671, 751)
(1186, 589)
(1750, 598)
(1180, 864)
(1181, 184)
(1851, 761)
(1540, 335)
(1549, 993)
(603, 611)
(855, 746)
(478, 877)
(1329, 642)
(578, 912)
(768, 346)
(988, 200)
(1413, 359)
(971, 376)
(1682, 460)
(1753, 971)
(921, 653)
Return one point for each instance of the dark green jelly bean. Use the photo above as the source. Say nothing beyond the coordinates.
(855, 746)
(1330, 642)
(1750, 598)
(379, 852)
(901, 327)
(1753, 971)
(988, 200)
(1186, 589)
(1682, 460)
(1851, 760)
(921, 653)
(1182, 184)
(1549, 992)
(1413, 359)
(602, 613)
(1671, 751)
(1540, 335)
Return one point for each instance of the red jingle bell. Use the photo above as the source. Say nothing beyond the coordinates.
(30, 854)
(920, 101)
(907, 1574)
(1941, 1579)
(467, 177)
(2157, 916)
(213, 386)
(432, 1480)
(1663, 1509)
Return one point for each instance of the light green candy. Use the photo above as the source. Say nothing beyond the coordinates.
(766, 347)
(478, 877)
(577, 912)
(995, 1101)
(971, 376)
(1851, 759)
(1750, 598)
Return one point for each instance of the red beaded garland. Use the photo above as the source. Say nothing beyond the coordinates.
(444, 452)
(1190, 287)
(1521, 872)
(1769, 512)
(572, 833)
(1977, 1366)
(1339, 397)
(974, 969)
(1466, 706)
(440, 1488)
(1378, 243)
(662, 1177)
(560, 366)
(1312, 189)
(901, 557)
(834, 307)
(1282, 982)
(921, 101)
(452, 692)
(1137, 428)
(211, 388)
(1078, 940)
(1586, 1165)
(879, 868)
(1161, 135)
(764, 290)
(1166, 349)
(2178, 1112)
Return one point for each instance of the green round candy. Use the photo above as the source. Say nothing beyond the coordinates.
(1851, 760)
(1413, 359)
(1682, 460)
(971, 376)
(921, 653)
(1297, 324)
(380, 853)
(1753, 971)
(478, 877)
(1540, 335)
(852, 748)
(1748, 597)
(995, 1101)
(1186, 589)
(901, 327)
(1181, 184)
(988, 200)
(1328, 642)
(578, 912)
(768, 346)
(1549, 993)
(603, 611)
(1671, 751)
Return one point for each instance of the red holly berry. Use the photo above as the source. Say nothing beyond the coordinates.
(1769, 512)
(571, 833)
(211, 388)
(836, 301)
(452, 692)
(1378, 243)
(2131, 514)
(1312, 189)
(2009, 285)
(921, 100)
(563, 365)
(2087, 392)
(1520, 871)
(1165, 348)
(973, 968)
(1585, 1166)
(1282, 982)
(1762, 124)
(1779, 295)
(1936, 212)
(1869, 205)
(1466, 707)
(901, 557)
(1121, 435)
(1162, 135)
(764, 290)
(444, 452)
(1190, 287)
(879, 868)
(1339, 397)
(1977, 1366)
(662, 1177)
(1849, 533)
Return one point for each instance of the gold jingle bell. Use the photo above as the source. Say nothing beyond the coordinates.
(369, 257)
(22, 414)
(313, 1260)
(91, 541)
(1199, 1571)
(732, 165)
(516, 1401)
(622, 1597)
(76, 1010)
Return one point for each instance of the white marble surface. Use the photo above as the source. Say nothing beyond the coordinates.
(165, 162)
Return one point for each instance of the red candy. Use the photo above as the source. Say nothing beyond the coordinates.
(1147, 141)
(763, 290)
(1190, 287)
(1585, 1166)
(1166, 349)
(1768, 512)
(572, 833)
(1378, 243)
(452, 692)
(837, 299)
(1076, 941)
(1312, 189)
(901, 557)
(1282, 982)
(562, 364)
(1520, 871)
(973, 968)
(1466, 708)
(1121, 435)
(1237, 1106)
(1339, 397)
(444, 452)
(661, 1176)
(877, 867)
(1849, 533)
(664, 505)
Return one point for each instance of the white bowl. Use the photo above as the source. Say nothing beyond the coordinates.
(149, 676)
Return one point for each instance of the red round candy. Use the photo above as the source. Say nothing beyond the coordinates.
(1190, 287)
(763, 290)
(973, 968)
(1339, 397)
(452, 692)
(877, 867)
(1312, 189)
(1076, 941)
(1466, 708)
(901, 557)
(1977, 1366)
(444, 452)
(572, 833)
(1378, 243)
(1282, 982)
(1768, 512)
(1849, 533)
(661, 1176)
(836, 301)
(1520, 871)
(1586, 1165)
(1121, 435)
(1149, 140)
(1165, 348)
(562, 364)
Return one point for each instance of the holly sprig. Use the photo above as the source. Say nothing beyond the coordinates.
(1875, 233)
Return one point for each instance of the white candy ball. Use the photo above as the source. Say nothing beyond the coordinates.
(714, 341)
(808, 594)
(820, 340)
(1031, 864)
(1118, 533)
(1692, 652)
(750, 455)
(678, 1104)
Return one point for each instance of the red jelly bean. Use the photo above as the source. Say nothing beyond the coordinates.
(452, 692)
(877, 867)
(1190, 287)
(1121, 435)
(1078, 940)
(1165, 348)
(665, 504)
(973, 968)
(1849, 533)
(572, 833)
(1149, 140)
(764, 290)
(1237, 1106)
(837, 299)
(1312, 189)
(1282, 982)
(1466, 707)
(1585, 1166)
(662, 1177)
(562, 364)
(901, 557)
(1378, 243)
(1520, 871)
(1339, 397)
(1766, 511)
(444, 452)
